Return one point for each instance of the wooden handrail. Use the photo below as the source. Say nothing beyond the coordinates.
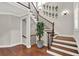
(23, 5)
(34, 7)
(45, 19)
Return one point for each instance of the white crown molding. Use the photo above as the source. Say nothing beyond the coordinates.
(8, 13)
(12, 14)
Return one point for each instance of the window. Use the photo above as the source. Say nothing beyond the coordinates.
(53, 15)
(44, 6)
(49, 14)
(44, 12)
(52, 8)
(49, 7)
(56, 15)
(56, 8)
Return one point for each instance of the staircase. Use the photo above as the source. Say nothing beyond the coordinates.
(63, 46)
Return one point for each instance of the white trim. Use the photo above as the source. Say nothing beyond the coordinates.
(21, 29)
(69, 42)
(12, 45)
(28, 26)
(8, 13)
(61, 50)
(53, 53)
(75, 48)
(55, 36)
(12, 14)
(28, 46)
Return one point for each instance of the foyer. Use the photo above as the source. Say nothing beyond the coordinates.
(18, 28)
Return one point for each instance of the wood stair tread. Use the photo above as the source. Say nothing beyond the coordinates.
(59, 52)
(65, 38)
(73, 45)
(64, 48)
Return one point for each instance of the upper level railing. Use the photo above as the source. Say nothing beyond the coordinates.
(47, 23)
(40, 15)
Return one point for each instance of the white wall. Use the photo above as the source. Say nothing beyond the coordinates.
(9, 30)
(63, 24)
(76, 25)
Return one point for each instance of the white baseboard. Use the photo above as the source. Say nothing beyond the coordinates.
(11, 45)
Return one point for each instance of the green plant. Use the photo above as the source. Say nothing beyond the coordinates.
(40, 29)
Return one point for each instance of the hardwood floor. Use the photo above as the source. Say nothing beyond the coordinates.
(21, 50)
(64, 46)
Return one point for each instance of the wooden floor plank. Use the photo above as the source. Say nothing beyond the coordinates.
(21, 50)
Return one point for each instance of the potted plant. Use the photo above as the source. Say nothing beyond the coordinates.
(40, 32)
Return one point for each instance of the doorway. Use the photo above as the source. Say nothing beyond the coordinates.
(24, 31)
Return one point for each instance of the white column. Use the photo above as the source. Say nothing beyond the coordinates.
(76, 16)
(21, 30)
(28, 30)
(76, 21)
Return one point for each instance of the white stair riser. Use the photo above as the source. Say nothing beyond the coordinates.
(69, 42)
(75, 48)
(52, 53)
(61, 50)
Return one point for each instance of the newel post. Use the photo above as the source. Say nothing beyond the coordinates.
(52, 35)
